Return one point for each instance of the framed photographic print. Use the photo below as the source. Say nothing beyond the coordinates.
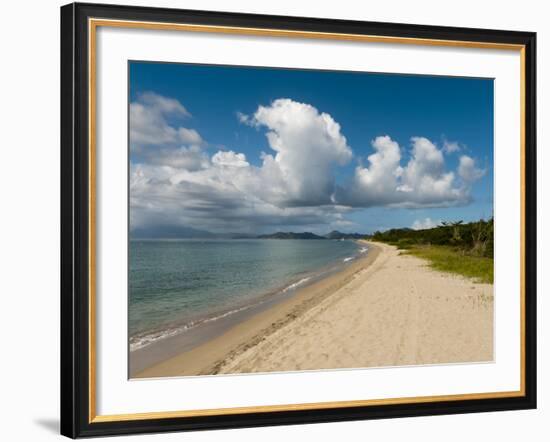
(279, 220)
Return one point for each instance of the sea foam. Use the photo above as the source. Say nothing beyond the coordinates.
(296, 284)
(143, 341)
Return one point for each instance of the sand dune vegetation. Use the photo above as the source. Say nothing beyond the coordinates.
(455, 247)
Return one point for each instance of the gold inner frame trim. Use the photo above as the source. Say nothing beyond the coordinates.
(93, 24)
(306, 406)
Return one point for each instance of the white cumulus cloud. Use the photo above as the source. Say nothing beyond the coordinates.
(468, 170)
(426, 223)
(422, 182)
(175, 178)
(451, 146)
(149, 125)
(308, 144)
(154, 141)
(230, 158)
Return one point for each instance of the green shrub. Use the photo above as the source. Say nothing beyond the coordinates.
(455, 247)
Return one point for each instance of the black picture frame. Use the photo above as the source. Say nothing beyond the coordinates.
(75, 219)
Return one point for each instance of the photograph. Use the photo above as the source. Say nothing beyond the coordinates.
(288, 220)
(277, 220)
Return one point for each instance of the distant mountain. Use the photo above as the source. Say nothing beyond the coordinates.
(291, 235)
(335, 234)
(183, 232)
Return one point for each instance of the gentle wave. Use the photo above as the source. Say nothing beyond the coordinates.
(138, 342)
(144, 340)
(361, 251)
(296, 284)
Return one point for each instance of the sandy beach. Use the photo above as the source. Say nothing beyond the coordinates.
(386, 309)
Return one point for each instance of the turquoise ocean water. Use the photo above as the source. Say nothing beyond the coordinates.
(176, 285)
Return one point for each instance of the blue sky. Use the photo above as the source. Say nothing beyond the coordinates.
(232, 109)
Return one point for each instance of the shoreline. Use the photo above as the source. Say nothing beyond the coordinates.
(387, 309)
(156, 335)
(207, 357)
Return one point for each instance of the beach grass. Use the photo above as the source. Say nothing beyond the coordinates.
(451, 260)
